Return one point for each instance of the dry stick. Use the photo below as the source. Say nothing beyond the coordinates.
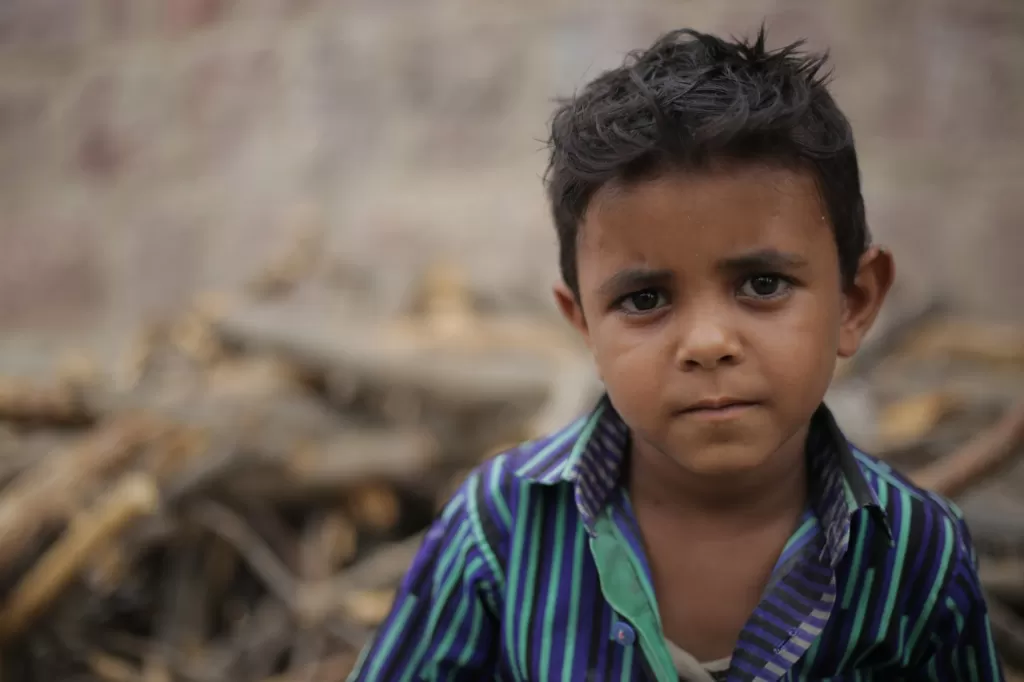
(268, 525)
(336, 667)
(315, 564)
(26, 401)
(234, 529)
(259, 643)
(180, 600)
(134, 496)
(986, 452)
(43, 495)
(111, 668)
(383, 568)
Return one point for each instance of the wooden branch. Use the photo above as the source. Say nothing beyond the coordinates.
(317, 600)
(48, 494)
(371, 356)
(58, 404)
(231, 527)
(112, 669)
(334, 668)
(980, 457)
(134, 496)
(352, 457)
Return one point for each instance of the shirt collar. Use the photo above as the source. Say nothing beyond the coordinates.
(591, 451)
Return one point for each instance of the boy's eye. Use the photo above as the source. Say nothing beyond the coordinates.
(642, 301)
(764, 286)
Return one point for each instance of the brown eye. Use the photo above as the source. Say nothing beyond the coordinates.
(642, 301)
(765, 287)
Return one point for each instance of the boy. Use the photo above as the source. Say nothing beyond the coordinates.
(708, 520)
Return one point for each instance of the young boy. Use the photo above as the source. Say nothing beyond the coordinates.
(707, 520)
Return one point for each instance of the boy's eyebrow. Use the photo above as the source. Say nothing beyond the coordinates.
(764, 260)
(634, 279)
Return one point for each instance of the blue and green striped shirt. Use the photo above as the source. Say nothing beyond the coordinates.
(535, 571)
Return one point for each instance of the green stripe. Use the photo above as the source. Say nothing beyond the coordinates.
(453, 574)
(804, 530)
(627, 664)
(473, 512)
(957, 616)
(902, 540)
(494, 487)
(394, 627)
(993, 657)
(513, 608)
(855, 570)
(456, 624)
(553, 587)
(888, 477)
(574, 608)
(858, 620)
(455, 545)
(972, 663)
(933, 595)
(585, 435)
(531, 583)
(470, 648)
(559, 440)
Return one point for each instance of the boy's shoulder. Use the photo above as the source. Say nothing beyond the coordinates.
(915, 515)
(545, 460)
(495, 488)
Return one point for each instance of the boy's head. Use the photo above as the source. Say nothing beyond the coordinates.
(713, 243)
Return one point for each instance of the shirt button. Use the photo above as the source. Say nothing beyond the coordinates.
(624, 634)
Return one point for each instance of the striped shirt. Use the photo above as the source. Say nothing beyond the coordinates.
(535, 571)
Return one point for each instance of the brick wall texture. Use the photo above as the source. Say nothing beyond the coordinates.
(150, 149)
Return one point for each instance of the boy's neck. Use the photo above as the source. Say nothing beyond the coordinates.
(777, 489)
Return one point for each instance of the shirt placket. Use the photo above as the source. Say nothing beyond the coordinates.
(623, 575)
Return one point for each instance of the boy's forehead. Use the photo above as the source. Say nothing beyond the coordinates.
(705, 216)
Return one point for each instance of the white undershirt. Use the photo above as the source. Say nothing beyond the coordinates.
(691, 670)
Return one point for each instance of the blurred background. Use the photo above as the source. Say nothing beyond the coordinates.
(306, 244)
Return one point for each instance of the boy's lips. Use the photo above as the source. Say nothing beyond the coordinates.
(720, 408)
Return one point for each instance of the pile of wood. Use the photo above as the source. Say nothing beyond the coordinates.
(237, 496)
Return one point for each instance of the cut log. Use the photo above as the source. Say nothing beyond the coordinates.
(347, 460)
(26, 401)
(368, 353)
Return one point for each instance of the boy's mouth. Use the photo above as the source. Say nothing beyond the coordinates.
(718, 408)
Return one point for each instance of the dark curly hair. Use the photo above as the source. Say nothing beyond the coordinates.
(692, 99)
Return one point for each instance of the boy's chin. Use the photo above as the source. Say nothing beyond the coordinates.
(719, 461)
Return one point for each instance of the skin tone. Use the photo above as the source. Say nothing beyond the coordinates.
(714, 307)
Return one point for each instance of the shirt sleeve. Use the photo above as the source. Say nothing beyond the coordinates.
(961, 646)
(443, 624)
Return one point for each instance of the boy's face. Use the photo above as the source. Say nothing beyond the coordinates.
(713, 305)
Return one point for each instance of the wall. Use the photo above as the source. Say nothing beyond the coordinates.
(150, 149)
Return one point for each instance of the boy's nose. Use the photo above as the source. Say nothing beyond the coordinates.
(706, 343)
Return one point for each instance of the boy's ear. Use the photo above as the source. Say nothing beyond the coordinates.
(571, 310)
(875, 273)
